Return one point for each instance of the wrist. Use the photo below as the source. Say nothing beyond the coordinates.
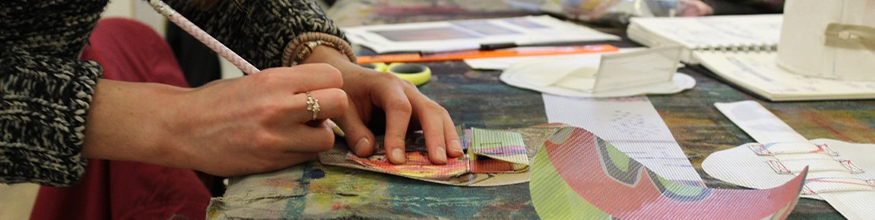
(130, 122)
(304, 45)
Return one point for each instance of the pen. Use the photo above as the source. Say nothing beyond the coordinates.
(217, 46)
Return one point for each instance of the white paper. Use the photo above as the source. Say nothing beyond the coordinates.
(758, 72)
(715, 31)
(632, 125)
(470, 34)
(807, 48)
(609, 75)
(851, 190)
(729, 32)
(635, 69)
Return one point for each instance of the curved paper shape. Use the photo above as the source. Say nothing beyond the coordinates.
(577, 174)
(576, 78)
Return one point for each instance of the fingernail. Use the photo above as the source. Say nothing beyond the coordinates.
(361, 145)
(399, 156)
(457, 148)
(441, 155)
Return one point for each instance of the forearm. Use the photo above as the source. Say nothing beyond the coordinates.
(131, 122)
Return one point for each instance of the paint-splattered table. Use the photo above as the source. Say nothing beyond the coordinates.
(479, 99)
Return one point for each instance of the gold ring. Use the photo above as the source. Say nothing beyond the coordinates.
(313, 105)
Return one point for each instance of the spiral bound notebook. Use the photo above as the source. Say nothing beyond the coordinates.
(713, 33)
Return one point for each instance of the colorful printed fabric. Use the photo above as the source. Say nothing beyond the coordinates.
(490, 152)
(578, 175)
(417, 166)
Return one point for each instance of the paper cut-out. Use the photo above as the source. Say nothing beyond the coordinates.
(578, 175)
(650, 71)
(494, 157)
(840, 171)
(497, 152)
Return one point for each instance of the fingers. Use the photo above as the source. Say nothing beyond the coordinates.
(303, 78)
(440, 132)
(359, 138)
(305, 138)
(397, 117)
(454, 145)
(432, 124)
(332, 103)
(396, 104)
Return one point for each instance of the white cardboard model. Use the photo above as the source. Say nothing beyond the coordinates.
(832, 39)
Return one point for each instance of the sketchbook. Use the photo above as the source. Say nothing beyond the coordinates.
(442, 36)
(758, 73)
(712, 33)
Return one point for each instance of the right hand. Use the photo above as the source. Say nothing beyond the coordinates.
(258, 123)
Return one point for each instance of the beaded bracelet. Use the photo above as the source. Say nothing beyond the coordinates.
(302, 46)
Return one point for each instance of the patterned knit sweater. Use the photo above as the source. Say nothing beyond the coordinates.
(45, 91)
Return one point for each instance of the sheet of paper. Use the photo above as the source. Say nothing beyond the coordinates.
(759, 73)
(650, 71)
(471, 34)
(638, 68)
(713, 31)
(632, 125)
(579, 175)
(841, 173)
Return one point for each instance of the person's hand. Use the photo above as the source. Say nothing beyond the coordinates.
(371, 92)
(694, 8)
(252, 124)
(261, 122)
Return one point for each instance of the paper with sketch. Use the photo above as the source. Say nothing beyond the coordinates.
(578, 175)
(471, 34)
(495, 157)
(632, 125)
(841, 173)
(650, 71)
(758, 73)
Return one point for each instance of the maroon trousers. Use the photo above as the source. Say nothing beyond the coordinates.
(128, 51)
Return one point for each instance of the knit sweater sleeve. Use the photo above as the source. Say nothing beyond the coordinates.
(260, 31)
(45, 91)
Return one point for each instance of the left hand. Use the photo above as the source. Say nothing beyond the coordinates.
(369, 90)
